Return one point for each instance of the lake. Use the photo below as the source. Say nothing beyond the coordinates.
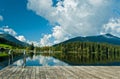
(39, 60)
(60, 59)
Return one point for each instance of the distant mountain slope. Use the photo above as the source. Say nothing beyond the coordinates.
(6, 38)
(106, 38)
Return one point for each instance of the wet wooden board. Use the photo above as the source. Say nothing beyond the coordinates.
(61, 72)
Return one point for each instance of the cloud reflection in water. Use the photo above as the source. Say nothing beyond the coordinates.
(40, 60)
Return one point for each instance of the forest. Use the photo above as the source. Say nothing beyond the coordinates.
(84, 52)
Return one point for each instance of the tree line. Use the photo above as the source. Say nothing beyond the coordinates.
(90, 50)
(86, 50)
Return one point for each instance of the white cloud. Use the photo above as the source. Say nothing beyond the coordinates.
(113, 27)
(45, 41)
(75, 17)
(1, 18)
(34, 42)
(97, 2)
(21, 38)
(8, 30)
(41, 7)
(59, 34)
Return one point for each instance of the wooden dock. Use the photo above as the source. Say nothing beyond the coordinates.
(61, 72)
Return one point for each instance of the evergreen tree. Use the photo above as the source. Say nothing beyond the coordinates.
(31, 47)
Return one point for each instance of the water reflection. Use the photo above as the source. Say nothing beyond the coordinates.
(10, 57)
(9, 61)
(78, 59)
(31, 55)
(39, 60)
(24, 59)
(64, 59)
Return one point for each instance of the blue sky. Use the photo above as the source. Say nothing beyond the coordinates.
(24, 22)
(47, 22)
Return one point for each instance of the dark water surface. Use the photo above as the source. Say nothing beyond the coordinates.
(61, 59)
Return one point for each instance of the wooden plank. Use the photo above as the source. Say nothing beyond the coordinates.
(8, 72)
(30, 72)
(37, 72)
(61, 72)
(50, 73)
(97, 73)
(42, 72)
(21, 73)
(27, 74)
(18, 73)
(68, 74)
(80, 74)
(107, 72)
(33, 73)
(12, 72)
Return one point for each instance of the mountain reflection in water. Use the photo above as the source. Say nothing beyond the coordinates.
(40, 60)
(65, 59)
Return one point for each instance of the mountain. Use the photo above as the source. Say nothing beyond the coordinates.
(8, 39)
(106, 38)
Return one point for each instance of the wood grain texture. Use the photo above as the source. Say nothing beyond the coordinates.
(61, 72)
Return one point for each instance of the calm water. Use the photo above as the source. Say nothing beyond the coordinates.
(61, 59)
(39, 60)
(64, 60)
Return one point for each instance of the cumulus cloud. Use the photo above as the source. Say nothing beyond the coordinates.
(21, 38)
(59, 34)
(113, 27)
(97, 2)
(45, 41)
(1, 18)
(34, 42)
(8, 30)
(75, 17)
(41, 7)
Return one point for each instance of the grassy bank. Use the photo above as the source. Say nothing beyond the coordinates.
(3, 56)
(5, 46)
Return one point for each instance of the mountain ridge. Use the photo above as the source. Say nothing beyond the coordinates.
(105, 38)
(7, 38)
